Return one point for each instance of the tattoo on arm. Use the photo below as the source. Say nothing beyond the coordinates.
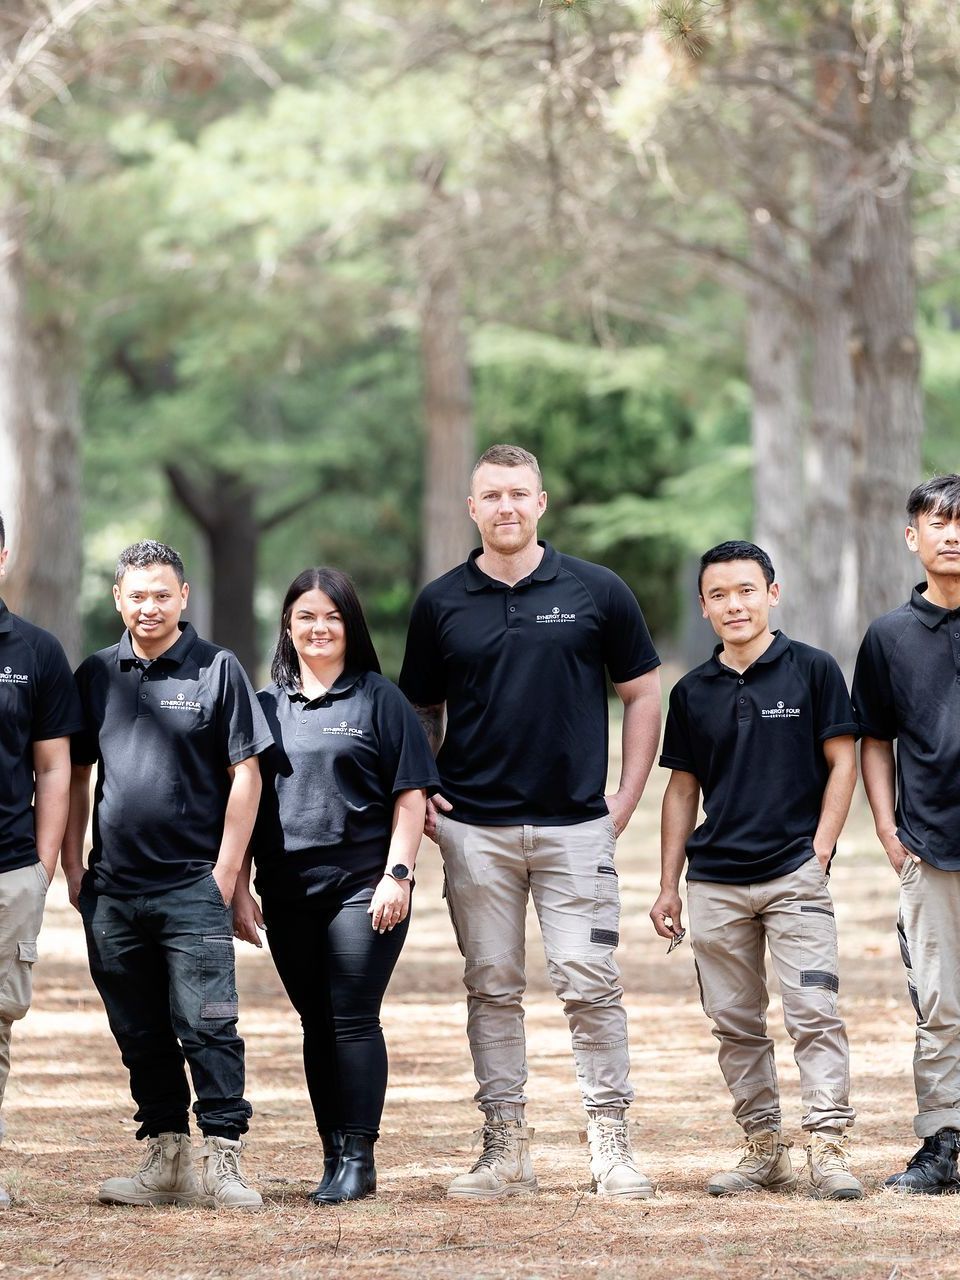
(432, 719)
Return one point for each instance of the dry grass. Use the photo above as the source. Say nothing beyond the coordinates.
(68, 1115)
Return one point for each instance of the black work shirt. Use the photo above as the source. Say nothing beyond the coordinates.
(38, 701)
(163, 735)
(330, 780)
(522, 672)
(907, 687)
(754, 742)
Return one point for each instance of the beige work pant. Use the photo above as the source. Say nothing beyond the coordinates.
(22, 895)
(730, 926)
(489, 874)
(929, 929)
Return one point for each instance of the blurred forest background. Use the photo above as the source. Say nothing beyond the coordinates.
(272, 273)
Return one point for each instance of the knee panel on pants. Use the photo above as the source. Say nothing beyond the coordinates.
(585, 979)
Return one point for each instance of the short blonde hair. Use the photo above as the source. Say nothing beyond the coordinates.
(508, 455)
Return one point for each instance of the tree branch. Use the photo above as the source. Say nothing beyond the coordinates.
(196, 501)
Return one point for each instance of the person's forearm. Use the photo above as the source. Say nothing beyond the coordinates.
(51, 806)
(241, 813)
(640, 739)
(71, 853)
(835, 806)
(678, 818)
(408, 813)
(879, 782)
(432, 720)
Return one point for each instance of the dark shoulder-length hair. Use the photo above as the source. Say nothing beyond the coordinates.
(360, 655)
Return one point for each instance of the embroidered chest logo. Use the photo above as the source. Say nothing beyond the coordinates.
(9, 676)
(556, 615)
(343, 730)
(780, 712)
(181, 703)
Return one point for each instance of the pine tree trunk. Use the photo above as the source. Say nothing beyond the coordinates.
(775, 366)
(830, 460)
(40, 435)
(890, 408)
(447, 534)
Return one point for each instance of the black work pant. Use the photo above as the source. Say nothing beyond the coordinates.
(163, 964)
(335, 969)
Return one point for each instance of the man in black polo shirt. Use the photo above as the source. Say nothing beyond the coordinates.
(174, 728)
(39, 709)
(766, 731)
(516, 645)
(907, 688)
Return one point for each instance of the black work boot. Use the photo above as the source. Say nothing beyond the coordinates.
(332, 1147)
(932, 1171)
(356, 1176)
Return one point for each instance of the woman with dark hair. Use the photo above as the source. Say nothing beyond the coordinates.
(341, 815)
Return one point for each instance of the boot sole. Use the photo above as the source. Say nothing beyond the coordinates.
(508, 1189)
(160, 1198)
(898, 1190)
(209, 1202)
(789, 1185)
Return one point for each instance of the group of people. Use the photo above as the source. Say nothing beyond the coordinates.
(495, 745)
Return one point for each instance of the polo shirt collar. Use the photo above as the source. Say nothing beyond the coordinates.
(546, 571)
(344, 682)
(781, 643)
(6, 618)
(174, 655)
(931, 615)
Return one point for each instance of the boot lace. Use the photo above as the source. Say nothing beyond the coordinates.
(226, 1166)
(152, 1157)
(496, 1144)
(613, 1143)
(755, 1151)
(831, 1155)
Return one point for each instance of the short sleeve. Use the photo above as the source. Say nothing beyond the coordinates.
(628, 651)
(677, 746)
(422, 676)
(243, 728)
(873, 701)
(406, 761)
(833, 710)
(85, 742)
(56, 710)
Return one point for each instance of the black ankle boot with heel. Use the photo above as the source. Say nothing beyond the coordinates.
(332, 1147)
(356, 1175)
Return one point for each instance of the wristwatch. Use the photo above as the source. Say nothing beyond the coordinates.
(399, 871)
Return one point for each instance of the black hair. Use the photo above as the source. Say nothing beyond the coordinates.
(145, 553)
(941, 494)
(360, 654)
(724, 552)
(3, 533)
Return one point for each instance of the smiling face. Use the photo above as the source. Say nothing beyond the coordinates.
(505, 504)
(317, 629)
(736, 600)
(936, 541)
(150, 600)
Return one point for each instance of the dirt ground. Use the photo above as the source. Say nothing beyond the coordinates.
(68, 1115)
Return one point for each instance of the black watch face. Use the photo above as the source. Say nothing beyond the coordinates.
(399, 871)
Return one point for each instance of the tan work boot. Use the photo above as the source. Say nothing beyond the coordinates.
(223, 1185)
(612, 1166)
(166, 1175)
(504, 1167)
(828, 1167)
(765, 1163)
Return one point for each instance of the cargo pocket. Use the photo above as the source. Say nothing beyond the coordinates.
(218, 996)
(445, 894)
(18, 988)
(605, 927)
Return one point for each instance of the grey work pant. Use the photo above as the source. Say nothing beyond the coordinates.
(22, 895)
(489, 874)
(929, 943)
(730, 927)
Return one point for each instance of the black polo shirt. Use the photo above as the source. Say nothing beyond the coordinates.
(754, 742)
(522, 672)
(163, 735)
(907, 687)
(330, 780)
(38, 701)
